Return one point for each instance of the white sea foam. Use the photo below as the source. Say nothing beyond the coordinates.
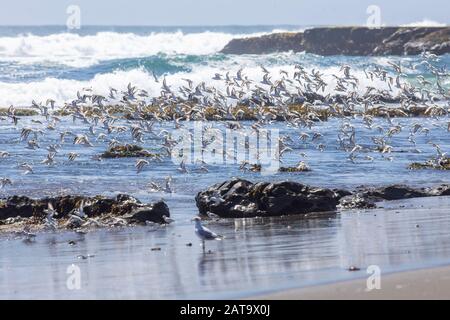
(63, 90)
(83, 51)
(425, 23)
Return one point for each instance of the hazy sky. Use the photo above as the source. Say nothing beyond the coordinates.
(221, 12)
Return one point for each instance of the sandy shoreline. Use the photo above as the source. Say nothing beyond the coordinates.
(429, 283)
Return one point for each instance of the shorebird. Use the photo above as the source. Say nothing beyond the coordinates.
(72, 156)
(50, 220)
(140, 164)
(155, 77)
(79, 212)
(82, 140)
(49, 160)
(167, 220)
(27, 168)
(32, 144)
(182, 168)
(204, 233)
(4, 182)
(50, 102)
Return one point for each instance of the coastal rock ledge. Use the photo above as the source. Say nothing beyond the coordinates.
(353, 41)
(238, 198)
(123, 206)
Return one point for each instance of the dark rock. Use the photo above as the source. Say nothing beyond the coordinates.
(21, 206)
(127, 151)
(360, 41)
(15, 205)
(276, 42)
(153, 213)
(344, 41)
(395, 192)
(353, 268)
(413, 41)
(241, 198)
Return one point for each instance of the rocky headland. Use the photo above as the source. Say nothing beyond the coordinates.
(352, 41)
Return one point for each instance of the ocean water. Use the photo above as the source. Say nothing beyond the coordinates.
(49, 62)
(257, 255)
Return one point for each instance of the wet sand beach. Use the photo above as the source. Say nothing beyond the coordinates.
(423, 284)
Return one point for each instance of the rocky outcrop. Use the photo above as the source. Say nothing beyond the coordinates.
(439, 164)
(352, 41)
(394, 192)
(127, 151)
(366, 198)
(122, 205)
(412, 41)
(240, 198)
(356, 201)
(276, 42)
(154, 212)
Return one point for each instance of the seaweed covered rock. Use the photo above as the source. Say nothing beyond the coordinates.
(439, 164)
(128, 151)
(440, 190)
(356, 201)
(301, 167)
(121, 205)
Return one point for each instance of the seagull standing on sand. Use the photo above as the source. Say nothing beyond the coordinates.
(204, 233)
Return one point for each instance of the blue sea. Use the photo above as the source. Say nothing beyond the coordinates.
(38, 63)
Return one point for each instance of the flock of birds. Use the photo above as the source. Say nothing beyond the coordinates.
(81, 220)
(268, 99)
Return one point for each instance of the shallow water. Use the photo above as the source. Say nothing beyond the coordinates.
(330, 168)
(256, 255)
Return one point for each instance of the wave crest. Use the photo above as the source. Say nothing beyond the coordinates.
(83, 51)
